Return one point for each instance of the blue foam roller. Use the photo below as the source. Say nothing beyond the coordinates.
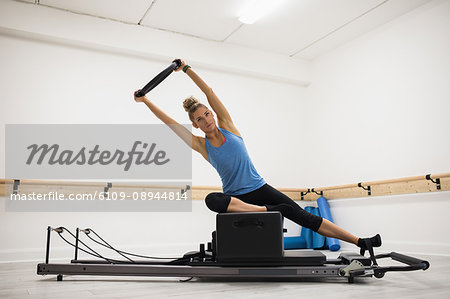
(324, 209)
(318, 240)
(296, 242)
(307, 233)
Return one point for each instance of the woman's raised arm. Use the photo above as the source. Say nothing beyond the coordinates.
(223, 116)
(195, 142)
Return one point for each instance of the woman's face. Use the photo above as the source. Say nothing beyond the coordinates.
(204, 120)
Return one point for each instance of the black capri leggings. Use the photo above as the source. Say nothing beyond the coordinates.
(266, 195)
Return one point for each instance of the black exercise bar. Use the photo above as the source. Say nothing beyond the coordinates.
(159, 78)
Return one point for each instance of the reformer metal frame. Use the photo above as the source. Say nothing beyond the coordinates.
(202, 264)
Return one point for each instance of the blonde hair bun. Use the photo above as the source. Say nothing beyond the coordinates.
(190, 103)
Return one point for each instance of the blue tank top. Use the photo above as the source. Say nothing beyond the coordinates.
(232, 162)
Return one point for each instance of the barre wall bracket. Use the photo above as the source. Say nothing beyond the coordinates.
(183, 191)
(318, 193)
(369, 191)
(302, 194)
(437, 181)
(16, 187)
(106, 189)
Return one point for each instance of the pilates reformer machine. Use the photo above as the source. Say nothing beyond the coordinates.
(244, 245)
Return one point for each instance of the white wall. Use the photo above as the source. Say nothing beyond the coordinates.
(411, 223)
(381, 110)
(48, 78)
(49, 83)
(381, 102)
(377, 108)
(159, 233)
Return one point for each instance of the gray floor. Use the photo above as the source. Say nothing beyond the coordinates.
(19, 280)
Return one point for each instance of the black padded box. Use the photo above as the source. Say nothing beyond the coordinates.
(247, 237)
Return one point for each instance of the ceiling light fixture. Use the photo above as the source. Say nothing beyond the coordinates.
(258, 9)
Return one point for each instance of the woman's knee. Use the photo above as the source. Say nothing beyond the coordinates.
(217, 202)
(310, 220)
(303, 218)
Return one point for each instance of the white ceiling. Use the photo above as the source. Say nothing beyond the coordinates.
(299, 28)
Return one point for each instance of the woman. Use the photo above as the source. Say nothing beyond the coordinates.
(244, 190)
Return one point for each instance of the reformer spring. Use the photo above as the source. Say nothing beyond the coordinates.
(94, 253)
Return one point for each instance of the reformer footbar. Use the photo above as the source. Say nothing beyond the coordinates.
(371, 252)
(243, 245)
